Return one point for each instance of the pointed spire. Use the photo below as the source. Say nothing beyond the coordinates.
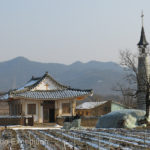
(142, 18)
(143, 42)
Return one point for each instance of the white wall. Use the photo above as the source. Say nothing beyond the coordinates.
(60, 107)
(38, 117)
(42, 85)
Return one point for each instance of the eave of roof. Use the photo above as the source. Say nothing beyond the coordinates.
(52, 94)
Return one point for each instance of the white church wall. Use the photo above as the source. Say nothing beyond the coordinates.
(46, 84)
(37, 118)
(40, 113)
(60, 107)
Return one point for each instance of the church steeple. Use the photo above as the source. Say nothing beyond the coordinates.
(143, 70)
(143, 42)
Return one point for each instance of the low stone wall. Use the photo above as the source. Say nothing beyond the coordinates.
(89, 121)
(15, 120)
(74, 124)
(85, 121)
(60, 120)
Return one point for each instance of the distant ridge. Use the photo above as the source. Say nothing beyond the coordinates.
(100, 76)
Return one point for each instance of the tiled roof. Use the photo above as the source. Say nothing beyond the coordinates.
(62, 91)
(4, 97)
(90, 105)
(33, 82)
(52, 94)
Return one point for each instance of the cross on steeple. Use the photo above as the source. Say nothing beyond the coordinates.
(142, 18)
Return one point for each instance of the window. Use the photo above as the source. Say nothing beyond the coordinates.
(31, 109)
(15, 109)
(66, 108)
(87, 113)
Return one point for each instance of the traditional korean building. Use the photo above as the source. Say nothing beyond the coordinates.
(45, 99)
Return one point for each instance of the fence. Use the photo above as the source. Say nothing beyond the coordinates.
(85, 121)
(16, 120)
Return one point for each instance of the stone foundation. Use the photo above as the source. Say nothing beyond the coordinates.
(85, 121)
(15, 120)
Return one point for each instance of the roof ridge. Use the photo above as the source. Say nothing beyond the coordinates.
(57, 94)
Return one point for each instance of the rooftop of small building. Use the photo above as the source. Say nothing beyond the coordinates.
(91, 105)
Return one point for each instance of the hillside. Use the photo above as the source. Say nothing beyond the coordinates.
(100, 76)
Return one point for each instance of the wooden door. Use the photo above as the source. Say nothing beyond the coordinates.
(49, 111)
(46, 115)
(51, 115)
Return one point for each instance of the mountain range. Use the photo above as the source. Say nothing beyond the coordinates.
(99, 76)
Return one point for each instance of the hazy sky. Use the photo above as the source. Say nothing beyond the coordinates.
(65, 31)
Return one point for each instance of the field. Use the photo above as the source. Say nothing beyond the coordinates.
(88, 139)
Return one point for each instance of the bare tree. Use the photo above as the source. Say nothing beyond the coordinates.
(130, 63)
(128, 95)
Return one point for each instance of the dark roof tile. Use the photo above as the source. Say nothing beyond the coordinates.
(52, 95)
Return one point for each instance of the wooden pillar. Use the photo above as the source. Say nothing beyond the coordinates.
(74, 107)
(40, 112)
(9, 108)
(23, 108)
(17, 108)
(56, 110)
(14, 110)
